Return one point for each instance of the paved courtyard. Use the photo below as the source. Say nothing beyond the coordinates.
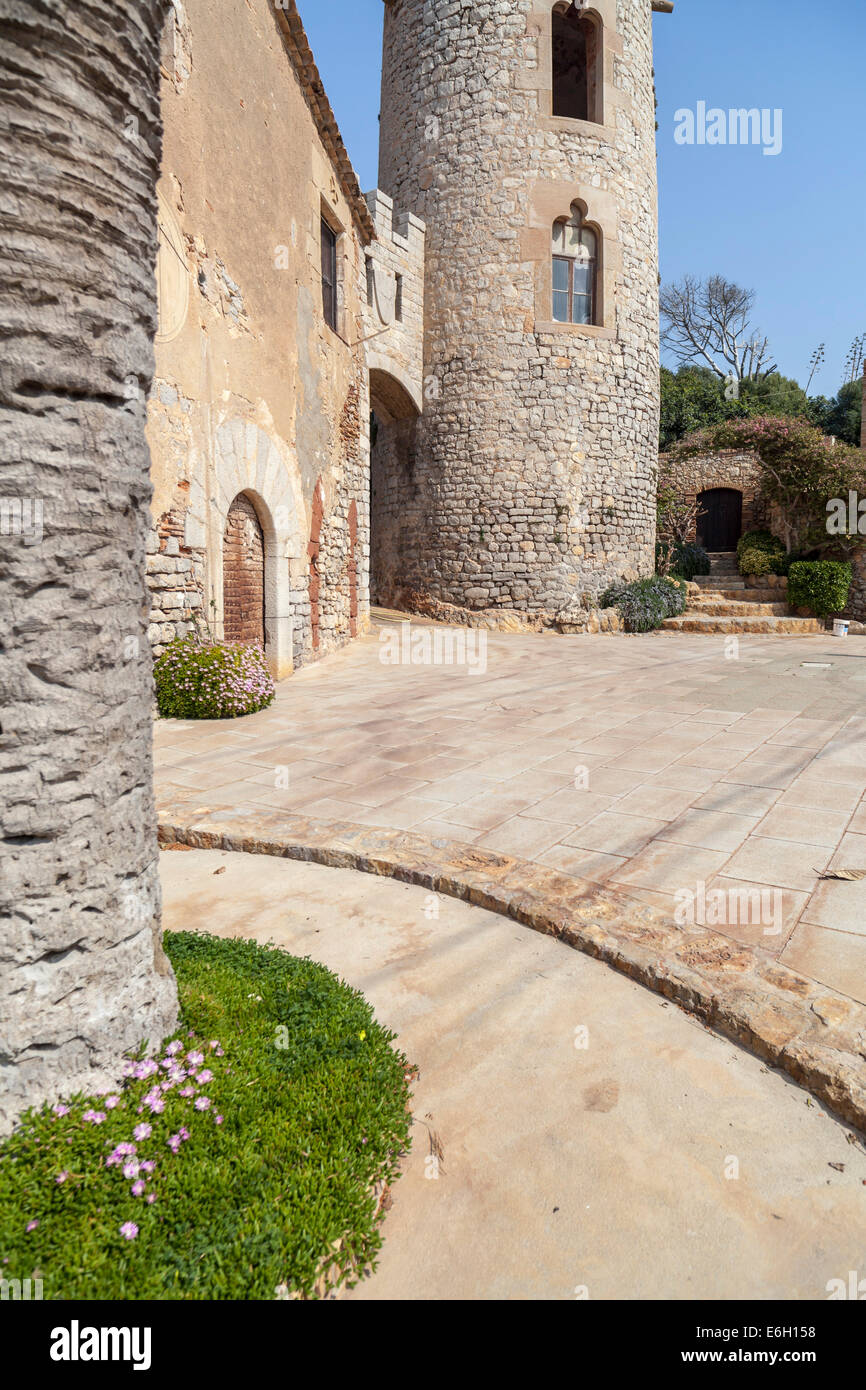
(587, 1134)
(654, 766)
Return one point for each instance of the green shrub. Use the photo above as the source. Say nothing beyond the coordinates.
(690, 559)
(755, 562)
(822, 585)
(196, 679)
(646, 604)
(231, 1162)
(761, 542)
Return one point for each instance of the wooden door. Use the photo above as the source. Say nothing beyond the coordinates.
(720, 518)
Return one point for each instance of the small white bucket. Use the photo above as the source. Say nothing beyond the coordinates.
(840, 627)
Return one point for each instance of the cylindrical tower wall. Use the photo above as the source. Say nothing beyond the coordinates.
(533, 469)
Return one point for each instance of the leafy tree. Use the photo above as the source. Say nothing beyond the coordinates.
(841, 416)
(691, 399)
(775, 395)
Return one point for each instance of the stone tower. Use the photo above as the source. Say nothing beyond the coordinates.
(523, 133)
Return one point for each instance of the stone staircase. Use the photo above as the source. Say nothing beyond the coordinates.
(723, 601)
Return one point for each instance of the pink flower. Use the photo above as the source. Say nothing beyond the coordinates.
(174, 1143)
(203, 1103)
(143, 1131)
(187, 1091)
(137, 1188)
(218, 1119)
(93, 1117)
(213, 1045)
(61, 1110)
(151, 1197)
(61, 1177)
(204, 1077)
(173, 1048)
(111, 1102)
(148, 1167)
(183, 1132)
(195, 1058)
(129, 1230)
(131, 1169)
(31, 1225)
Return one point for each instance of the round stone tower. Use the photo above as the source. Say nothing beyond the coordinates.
(523, 133)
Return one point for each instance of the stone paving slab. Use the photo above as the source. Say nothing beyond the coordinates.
(647, 768)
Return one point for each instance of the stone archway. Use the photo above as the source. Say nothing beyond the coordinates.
(244, 575)
(393, 490)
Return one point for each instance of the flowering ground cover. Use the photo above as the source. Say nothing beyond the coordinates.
(230, 1163)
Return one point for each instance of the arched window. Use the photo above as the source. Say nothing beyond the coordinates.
(576, 63)
(575, 270)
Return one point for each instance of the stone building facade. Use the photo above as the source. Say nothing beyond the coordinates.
(264, 374)
(726, 470)
(529, 477)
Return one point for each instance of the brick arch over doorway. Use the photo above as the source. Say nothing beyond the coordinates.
(244, 575)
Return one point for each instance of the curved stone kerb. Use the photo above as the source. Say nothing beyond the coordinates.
(816, 1036)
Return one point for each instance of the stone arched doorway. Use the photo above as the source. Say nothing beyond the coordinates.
(244, 575)
(720, 518)
(394, 497)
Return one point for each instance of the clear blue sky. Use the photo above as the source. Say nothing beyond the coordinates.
(790, 226)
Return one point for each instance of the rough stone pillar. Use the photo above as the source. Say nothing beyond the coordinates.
(82, 972)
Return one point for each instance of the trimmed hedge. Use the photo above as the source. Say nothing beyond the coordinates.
(646, 603)
(756, 562)
(240, 1161)
(764, 543)
(822, 585)
(197, 679)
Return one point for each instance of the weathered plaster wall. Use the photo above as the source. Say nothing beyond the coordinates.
(82, 973)
(254, 392)
(535, 461)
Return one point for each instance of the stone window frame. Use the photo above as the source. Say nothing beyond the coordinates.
(539, 77)
(550, 203)
(578, 209)
(595, 66)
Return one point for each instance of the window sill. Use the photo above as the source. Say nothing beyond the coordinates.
(579, 330)
(568, 125)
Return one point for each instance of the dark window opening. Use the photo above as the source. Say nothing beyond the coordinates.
(329, 274)
(398, 300)
(370, 290)
(576, 52)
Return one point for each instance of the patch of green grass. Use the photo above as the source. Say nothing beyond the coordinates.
(296, 1108)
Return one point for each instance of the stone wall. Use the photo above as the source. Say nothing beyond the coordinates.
(532, 474)
(727, 468)
(256, 393)
(82, 973)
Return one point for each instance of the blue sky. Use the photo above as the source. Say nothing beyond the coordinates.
(791, 226)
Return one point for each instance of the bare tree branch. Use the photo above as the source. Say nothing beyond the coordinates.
(709, 321)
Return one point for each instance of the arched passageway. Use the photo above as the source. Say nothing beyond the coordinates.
(244, 575)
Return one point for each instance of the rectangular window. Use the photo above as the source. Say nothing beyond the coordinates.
(398, 300)
(329, 274)
(573, 290)
(369, 265)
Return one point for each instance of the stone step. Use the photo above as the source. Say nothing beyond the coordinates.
(770, 626)
(729, 608)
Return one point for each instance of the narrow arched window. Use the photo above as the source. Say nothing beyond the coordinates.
(576, 64)
(575, 270)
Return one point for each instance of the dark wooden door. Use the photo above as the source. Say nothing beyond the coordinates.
(720, 518)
